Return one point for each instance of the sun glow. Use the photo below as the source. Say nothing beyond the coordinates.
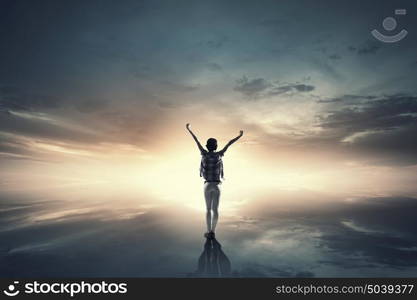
(125, 176)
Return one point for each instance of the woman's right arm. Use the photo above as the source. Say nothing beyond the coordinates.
(195, 138)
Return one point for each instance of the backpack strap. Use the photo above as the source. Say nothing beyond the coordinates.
(221, 169)
(201, 167)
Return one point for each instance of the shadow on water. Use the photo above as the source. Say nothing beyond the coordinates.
(213, 262)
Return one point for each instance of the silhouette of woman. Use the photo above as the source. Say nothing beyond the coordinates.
(211, 169)
(213, 261)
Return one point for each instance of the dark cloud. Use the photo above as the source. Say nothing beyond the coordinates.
(373, 233)
(386, 113)
(13, 148)
(347, 99)
(36, 128)
(260, 87)
(15, 98)
(217, 42)
(277, 26)
(302, 88)
(381, 229)
(143, 72)
(273, 23)
(8, 90)
(175, 87)
(376, 128)
(91, 105)
(393, 147)
(251, 87)
(214, 67)
(369, 47)
(335, 56)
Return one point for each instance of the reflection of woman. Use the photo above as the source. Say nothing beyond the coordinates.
(211, 169)
(213, 261)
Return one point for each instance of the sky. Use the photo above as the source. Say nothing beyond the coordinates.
(93, 91)
(98, 87)
(95, 95)
(99, 93)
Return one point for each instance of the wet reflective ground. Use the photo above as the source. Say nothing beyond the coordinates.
(344, 237)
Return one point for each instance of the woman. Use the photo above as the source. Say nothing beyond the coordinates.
(211, 169)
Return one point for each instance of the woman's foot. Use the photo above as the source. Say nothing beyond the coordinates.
(209, 235)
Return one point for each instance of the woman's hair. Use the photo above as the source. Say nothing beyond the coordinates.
(211, 144)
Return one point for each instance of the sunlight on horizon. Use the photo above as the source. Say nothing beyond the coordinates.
(125, 178)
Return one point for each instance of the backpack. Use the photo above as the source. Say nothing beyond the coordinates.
(211, 167)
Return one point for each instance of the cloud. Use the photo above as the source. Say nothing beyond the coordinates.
(349, 98)
(394, 148)
(326, 68)
(38, 128)
(176, 87)
(388, 112)
(302, 87)
(214, 67)
(286, 88)
(335, 56)
(217, 42)
(277, 26)
(384, 231)
(368, 48)
(282, 239)
(253, 87)
(15, 99)
(91, 105)
(375, 233)
(260, 87)
(12, 147)
(380, 128)
(274, 23)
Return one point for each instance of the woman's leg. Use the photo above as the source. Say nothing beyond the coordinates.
(207, 196)
(215, 205)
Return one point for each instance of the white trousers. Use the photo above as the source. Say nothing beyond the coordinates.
(212, 196)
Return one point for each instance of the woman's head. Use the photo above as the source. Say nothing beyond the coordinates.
(211, 144)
